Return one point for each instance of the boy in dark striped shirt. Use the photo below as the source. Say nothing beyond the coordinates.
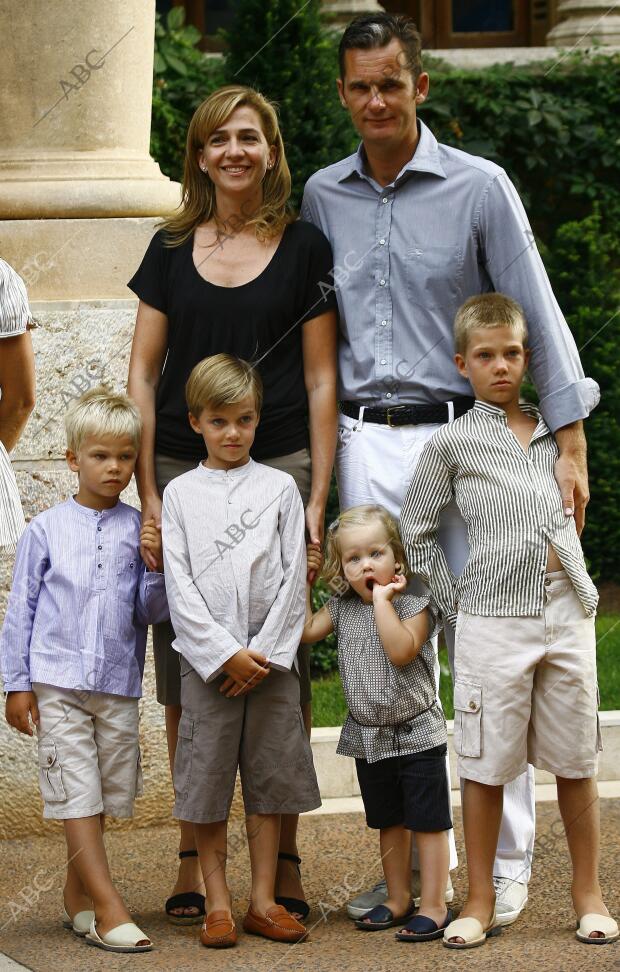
(525, 688)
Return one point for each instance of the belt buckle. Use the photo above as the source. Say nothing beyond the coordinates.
(393, 408)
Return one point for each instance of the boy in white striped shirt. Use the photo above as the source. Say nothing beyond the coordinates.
(525, 654)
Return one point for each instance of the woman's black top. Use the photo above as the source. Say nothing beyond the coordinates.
(259, 321)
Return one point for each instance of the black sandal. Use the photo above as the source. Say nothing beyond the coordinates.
(294, 905)
(186, 899)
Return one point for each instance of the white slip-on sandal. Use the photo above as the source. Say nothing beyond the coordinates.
(80, 925)
(123, 938)
(600, 923)
(471, 931)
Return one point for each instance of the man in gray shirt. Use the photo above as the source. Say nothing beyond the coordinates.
(416, 228)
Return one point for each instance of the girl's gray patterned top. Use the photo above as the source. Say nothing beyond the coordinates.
(392, 710)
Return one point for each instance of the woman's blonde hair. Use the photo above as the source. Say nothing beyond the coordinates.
(101, 412)
(222, 379)
(198, 190)
(332, 573)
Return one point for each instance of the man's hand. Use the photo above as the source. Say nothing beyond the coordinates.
(571, 472)
(315, 561)
(385, 592)
(151, 511)
(150, 544)
(19, 706)
(245, 669)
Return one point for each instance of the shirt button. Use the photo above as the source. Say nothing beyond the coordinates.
(98, 529)
(383, 323)
(382, 283)
(383, 361)
(472, 705)
(389, 395)
(131, 564)
(385, 199)
(381, 242)
(50, 759)
(99, 566)
(99, 547)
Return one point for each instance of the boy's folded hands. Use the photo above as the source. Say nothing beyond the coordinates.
(19, 706)
(245, 669)
(151, 546)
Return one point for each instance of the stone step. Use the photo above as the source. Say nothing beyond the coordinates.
(338, 780)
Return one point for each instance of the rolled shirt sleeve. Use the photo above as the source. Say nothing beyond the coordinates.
(280, 634)
(515, 267)
(204, 643)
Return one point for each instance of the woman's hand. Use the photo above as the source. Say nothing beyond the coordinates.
(315, 522)
(150, 541)
(315, 561)
(151, 515)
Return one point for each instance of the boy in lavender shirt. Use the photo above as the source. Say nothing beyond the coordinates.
(72, 655)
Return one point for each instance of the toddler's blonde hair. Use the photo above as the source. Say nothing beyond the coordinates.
(101, 412)
(332, 573)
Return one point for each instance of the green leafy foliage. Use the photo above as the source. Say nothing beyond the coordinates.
(283, 49)
(183, 78)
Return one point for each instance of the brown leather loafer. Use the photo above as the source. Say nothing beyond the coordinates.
(277, 924)
(218, 930)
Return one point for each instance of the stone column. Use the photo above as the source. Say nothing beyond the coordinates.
(76, 179)
(583, 22)
(340, 12)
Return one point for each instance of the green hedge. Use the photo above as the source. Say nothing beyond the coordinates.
(552, 126)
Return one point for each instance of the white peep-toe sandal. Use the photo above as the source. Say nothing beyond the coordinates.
(471, 931)
(123, 938)
(80, 925)
(600, 923)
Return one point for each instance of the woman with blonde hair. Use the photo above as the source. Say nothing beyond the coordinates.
(233, 271)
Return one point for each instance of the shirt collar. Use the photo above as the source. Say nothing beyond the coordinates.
(496, 411)
(86, 511)
(424, 159)
(236, 473)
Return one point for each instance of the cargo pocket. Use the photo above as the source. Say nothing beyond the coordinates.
(599, 734)
(467, 718)
(50, 774)
(183, 758)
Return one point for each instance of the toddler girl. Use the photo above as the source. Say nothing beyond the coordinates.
(395, 728)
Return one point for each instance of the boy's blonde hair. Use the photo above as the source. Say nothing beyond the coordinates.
(488, 311)
(220, 380)
(101, 412)
(332, 572)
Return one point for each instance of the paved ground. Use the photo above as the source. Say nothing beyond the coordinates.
(338, 853)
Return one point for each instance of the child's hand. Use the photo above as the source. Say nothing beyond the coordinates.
(245, 670)
(150, 546)
(385, 592)
(315, 561)
(20, 705)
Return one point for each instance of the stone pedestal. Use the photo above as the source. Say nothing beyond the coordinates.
(584, 22)
(75, 115)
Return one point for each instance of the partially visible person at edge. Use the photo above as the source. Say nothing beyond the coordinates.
(17, 387)
(416, 228)
(234, 272)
